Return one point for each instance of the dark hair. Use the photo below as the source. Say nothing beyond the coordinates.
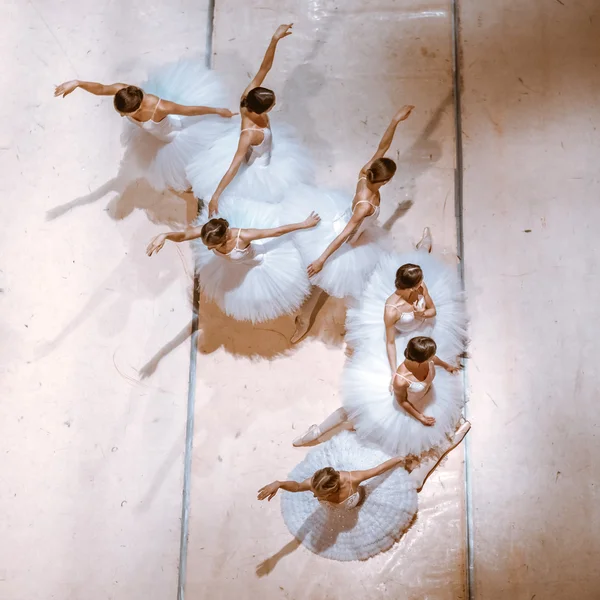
(258, 100)
(408, 276)
(214, 232)
(381, 170)
(128, 99)
(325, 481)
(420, 349)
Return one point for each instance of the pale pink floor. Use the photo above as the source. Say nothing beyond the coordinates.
(92, 470)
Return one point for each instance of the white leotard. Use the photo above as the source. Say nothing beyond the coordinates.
(418, 389)
(260, 155)
(164, 130)
(407, 320)
(238, 254)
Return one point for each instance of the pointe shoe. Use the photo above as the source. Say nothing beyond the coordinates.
(313, 433)
(426, 242)
(302, 328)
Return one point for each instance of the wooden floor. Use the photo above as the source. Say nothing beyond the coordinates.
(94, 337)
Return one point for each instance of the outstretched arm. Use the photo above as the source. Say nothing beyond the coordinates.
(238, 158)
(401, 393)
(388, 136)
(172, 108)
(357, 217)
(360, 476)
(267, 62)
(249, 235)
(98, 89)
(175, 236)
(269, 491)
(450, 368)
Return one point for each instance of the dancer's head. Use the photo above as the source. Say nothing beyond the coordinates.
(214, 233)
(408, 277)
(380, 171)
(259, 100)
(325, 482)
(128, 100)
(420, 349)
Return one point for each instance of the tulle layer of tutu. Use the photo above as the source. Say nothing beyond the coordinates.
(272, 284)
(379, 419)
(290, 165)
(347, 271)
(334, 532)
(365, 328)
(163, 164)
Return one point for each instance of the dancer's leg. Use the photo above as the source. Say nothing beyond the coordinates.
(316, 431)
(422, 473)
(308, 312)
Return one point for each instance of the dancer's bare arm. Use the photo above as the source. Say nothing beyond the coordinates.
(390, 317)
(268, 491)
(360, 476)
(358, 215)
(448, 367)
(172, 108)
(401, 392)
(238, 158)
(249, 235)
(430, 311)
(388, 136)
(98, 89)
(267, 62)
(158, 242)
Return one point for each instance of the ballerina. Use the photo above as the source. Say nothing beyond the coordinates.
(427, 297)
(356, 510)
(261, 169)
(175, 132)
(343, 251)
(245, 270)
(396, 420)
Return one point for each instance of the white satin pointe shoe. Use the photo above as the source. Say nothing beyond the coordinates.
(313, 433)
(426, 241)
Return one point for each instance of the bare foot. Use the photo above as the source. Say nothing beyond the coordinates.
(426, 242)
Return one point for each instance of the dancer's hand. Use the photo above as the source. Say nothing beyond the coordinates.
(213, 206)
(269, 491)
(226, 113)
(283, 31)
(391, 387)
(156, 244)
(427, 421)
(453, 368)
(311, 221)
(315, 267)
(404, 113)
(420, 312)
(64, 89)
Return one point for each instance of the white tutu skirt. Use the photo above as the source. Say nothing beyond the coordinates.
(347, 271)
(365, 327)
(289, 166)
(162, 163)
(379, 419)
(387, 510)
(272, 284)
